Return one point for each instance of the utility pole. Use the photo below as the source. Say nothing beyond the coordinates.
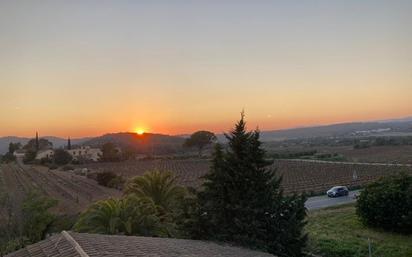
(152, 144)
(370, 247)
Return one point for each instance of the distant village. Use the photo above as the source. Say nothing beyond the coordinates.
(45, 151)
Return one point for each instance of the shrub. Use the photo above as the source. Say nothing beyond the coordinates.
(29, 156)
(159, 186)
(8, 157)
(29, 227)
(62, 222)
(36, 216)
(110, 153)
(149, 207)
(52, 166)
(80, 160)
(67, 168)
(62, 157)
(117, 182)
(45, 160)
(108, 179)
(103, 178)
(130, 215)
(387, 204)
(11, 245)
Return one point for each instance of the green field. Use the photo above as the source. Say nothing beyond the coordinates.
(337, 232)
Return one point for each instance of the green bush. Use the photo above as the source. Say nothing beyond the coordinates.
(8, 157)
(149, 207)
(117, 182)
(45, 160)
(11, 245)
(52, 166)
(387, 204)
(36, 216)
(62, 222)
(110, 153)
(104, 178)
(67, 168)
(29, 156)
(62, 157)
(130, 216)
(28, 228)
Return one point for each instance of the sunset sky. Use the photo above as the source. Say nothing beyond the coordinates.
(84, 68)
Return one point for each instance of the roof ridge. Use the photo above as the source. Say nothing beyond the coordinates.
(74, 243)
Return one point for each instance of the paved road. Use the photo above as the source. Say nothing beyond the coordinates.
(352, 163)
(319, 202)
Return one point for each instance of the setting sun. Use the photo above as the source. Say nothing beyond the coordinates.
(139, 131)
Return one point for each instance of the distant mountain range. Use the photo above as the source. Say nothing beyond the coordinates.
(406, 119)
(353, 129)
(164, 143)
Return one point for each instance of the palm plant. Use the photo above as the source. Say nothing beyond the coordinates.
(148, 208)
(158, 186)
(131, 215)
(139, 217)
(102, 217)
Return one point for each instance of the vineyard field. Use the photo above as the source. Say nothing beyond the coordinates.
(74, 193)
(298, 175)
(318, 176)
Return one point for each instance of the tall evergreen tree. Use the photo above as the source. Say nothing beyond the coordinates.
(37, 141)
(242, 202)
(69, 144)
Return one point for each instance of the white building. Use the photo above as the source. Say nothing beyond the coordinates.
(19, 153)
(49, 153)
(85, 153)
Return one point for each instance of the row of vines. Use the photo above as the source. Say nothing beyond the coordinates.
(298, 175)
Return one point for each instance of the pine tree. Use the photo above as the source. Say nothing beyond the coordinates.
(242, 202)
(69, 144)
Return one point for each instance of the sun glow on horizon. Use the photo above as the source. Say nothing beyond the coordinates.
(140, 131)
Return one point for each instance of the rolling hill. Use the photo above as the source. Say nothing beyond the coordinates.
(378, 128)
(146, 143)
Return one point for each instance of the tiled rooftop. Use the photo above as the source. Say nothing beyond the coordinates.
(71, 244)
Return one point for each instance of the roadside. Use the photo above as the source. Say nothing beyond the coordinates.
(319, 202)
(337, 232)
(353, 163)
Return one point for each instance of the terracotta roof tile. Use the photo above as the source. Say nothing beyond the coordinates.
(95, 245)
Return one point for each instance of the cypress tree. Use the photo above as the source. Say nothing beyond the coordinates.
(69, 144)
(241, 200)
(37, 141)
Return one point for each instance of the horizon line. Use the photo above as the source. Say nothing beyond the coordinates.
(269, 130)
